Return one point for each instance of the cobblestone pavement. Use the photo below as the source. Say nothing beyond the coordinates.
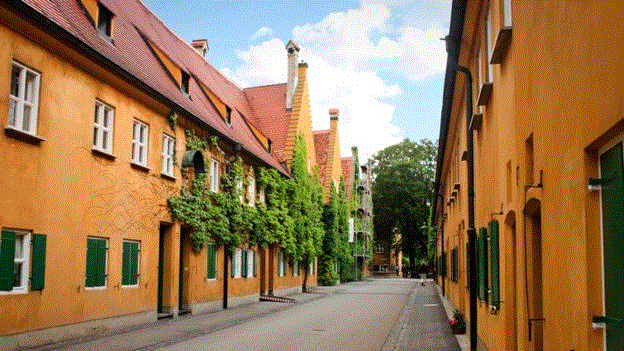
(388, 314)
(423, 323)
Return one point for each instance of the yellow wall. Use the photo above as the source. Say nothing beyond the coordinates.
(566, 94)
(301, 119)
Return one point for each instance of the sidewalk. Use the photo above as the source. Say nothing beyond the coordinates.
(462, 339)
(423, 324)
(167, 332)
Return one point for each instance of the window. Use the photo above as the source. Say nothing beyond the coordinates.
(103, 127)
(454, 266)
(239, 188)
(21, 253)
(228, 115)
(495, 264)
(255, 263)
(130, 263)
(280, 263)
(244, 263)
(168, 152)
(236, 263)
(140, 132)
(24, 99)
(251, 192)
(507, 12)
(482, 269)
(295, 267)
(214, 176)
(488, 44)
(261, 196)
(185, 83)
(311, 267)
(250, 263)
(211, 268)
(97, 261)
(379, 248)
(105, 21)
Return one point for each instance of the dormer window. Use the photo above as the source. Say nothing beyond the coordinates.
(185, 83)
(228, 115)
(105, 21)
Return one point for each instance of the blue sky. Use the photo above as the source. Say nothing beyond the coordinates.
(379, 61)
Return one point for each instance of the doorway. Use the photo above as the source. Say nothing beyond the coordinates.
(183, 306)
(510, 305)
(534, 275)
(612, 201)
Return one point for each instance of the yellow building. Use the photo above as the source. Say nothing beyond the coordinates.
(547, 127)
(95, 100)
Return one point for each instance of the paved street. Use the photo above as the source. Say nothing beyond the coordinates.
(388, 314)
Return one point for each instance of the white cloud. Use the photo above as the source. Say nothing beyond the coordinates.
(262, 32)
(346, 52)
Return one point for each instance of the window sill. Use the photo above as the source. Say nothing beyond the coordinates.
(15, 292)
(23, 136)
(140, 167)
(103, 153)
(501, 46)
(168, 177)
(130, 286)
(94, 288)
(485, 94)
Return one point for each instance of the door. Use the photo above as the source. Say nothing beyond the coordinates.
(183, 276)
(535, 279)
(613, 244)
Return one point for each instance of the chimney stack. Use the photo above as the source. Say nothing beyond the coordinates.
(292, 50)
(201, 46)
(333, 126)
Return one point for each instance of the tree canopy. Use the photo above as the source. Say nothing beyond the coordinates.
(403, 177)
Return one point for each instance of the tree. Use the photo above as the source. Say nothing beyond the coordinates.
(403, 177)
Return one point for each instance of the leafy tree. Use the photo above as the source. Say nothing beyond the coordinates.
(403, 176)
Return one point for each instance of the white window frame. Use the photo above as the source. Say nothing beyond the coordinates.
(251, 192)
(99, 128)
(214, 175)
(168, 155)
(295, 265)
(311, 268)
(507, 13)
(239, 187)
(250, 263)
(25, 260)
(140, 139)
(488, 44)
(17, 122)
(280, 263)
(262, 196)
(236, 261)
(138, 263)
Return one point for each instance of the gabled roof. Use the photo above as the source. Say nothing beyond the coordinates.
(136, 28)
(268, 104)
(321, 147)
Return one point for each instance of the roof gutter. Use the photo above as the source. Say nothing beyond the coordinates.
(81, 47)
(453, 43)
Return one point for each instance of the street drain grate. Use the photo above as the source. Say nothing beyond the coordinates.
(277, 299)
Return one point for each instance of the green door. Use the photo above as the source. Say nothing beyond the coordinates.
(613, 243)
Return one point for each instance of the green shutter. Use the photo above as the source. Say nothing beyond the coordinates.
(125, 263)
(454, 265)
(494, 263)
(7, 259)
(91, 262)
(211, 257)
(101, 259)
(244, 264)
(37, 277)
(232, 260)
(96, 262)
(255, 263)
(482, 258)
(135, 264)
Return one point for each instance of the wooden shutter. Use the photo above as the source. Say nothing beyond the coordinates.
(91, 262)
(126, 263)
(244, 264)
(233, 261)
(255, 263)
(483, 271)
(134, 273)
(495, 263)
(101, 262)
(37, 277)
(7, 259)
(211, 269)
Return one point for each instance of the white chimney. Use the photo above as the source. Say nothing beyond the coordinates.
(201, 46)
(291, 83)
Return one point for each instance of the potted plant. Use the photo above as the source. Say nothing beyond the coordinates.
(458, 324)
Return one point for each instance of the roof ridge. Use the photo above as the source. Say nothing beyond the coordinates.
(264, 86)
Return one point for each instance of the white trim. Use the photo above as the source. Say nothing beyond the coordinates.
(140, 142)
(24, 287)
(237, 258)
(251, 192)
(214, 175)
(488, 44)
(99, 127)
(20, 101)
(507, 19)
(168, 154)
(250, 263)
(280, 263)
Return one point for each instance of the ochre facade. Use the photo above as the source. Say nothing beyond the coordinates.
(554, 111)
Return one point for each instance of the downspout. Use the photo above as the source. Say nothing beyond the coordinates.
(442, 255)
(226, 248)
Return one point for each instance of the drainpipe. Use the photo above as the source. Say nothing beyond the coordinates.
(226, 248)
(472, 254)
(442, 255)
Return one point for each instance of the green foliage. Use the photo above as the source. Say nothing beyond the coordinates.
(403, 185)
(173, 120)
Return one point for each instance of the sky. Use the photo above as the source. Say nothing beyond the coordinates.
(380, 62)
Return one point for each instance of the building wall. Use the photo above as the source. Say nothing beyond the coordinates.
(566, 97)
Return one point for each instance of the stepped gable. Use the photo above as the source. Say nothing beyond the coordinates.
(135, 27)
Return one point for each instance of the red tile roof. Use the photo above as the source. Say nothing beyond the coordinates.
(321, 147)
(134, 23)
(268, 104)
